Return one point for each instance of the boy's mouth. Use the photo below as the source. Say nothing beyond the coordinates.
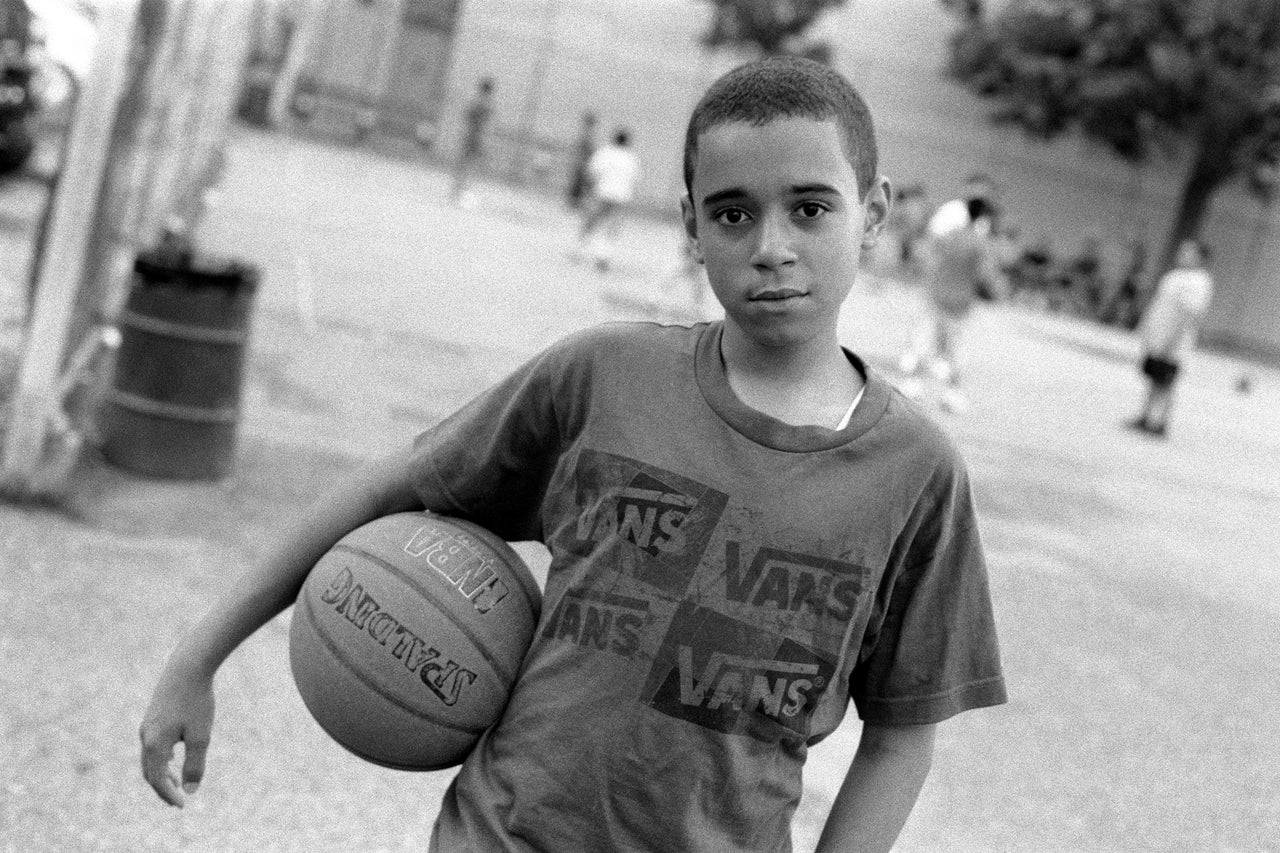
(776, 294)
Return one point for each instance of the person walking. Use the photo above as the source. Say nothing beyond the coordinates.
(580, 181)
(1168, 332)
(961, 260)
(478, 114)
(1121, 308)
(614, 171)
(910, 222)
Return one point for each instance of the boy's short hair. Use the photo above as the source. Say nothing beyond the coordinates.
(787, 87)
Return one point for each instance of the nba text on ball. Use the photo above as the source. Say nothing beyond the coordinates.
(465, 568)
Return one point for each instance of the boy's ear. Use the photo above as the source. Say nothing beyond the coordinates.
(876, 206)
(690, 219)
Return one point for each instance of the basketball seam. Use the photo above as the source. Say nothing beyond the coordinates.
(309, 611)
(508, 677)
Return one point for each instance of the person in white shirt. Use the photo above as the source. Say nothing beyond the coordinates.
(1168, 332)
(614, 171)
(960, 258)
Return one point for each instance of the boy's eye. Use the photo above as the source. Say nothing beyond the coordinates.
(811, 209)
(731, 216)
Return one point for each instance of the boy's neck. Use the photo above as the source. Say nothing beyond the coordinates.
(810, 383)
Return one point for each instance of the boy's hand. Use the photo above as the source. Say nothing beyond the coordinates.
(180, 711)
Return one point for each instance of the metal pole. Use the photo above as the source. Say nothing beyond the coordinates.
(71, 223)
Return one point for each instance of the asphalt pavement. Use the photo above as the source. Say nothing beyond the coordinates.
(1135, 580)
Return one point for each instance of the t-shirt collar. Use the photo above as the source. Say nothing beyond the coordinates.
(713, 382)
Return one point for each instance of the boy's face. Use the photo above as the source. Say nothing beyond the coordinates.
(776, 216)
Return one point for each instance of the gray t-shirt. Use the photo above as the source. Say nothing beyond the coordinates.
(722, 584)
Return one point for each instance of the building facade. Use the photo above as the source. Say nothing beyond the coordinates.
(411, 66)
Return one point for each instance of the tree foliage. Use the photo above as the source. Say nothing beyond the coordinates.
(768, 26)
(1138, 76)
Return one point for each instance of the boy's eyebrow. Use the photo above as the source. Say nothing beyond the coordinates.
(723, 195)
(796, 189)
(811, 189)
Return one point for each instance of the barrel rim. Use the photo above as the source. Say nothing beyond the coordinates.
(157, 267)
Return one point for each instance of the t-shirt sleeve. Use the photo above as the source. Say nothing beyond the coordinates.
(490, 461)
(931, 650)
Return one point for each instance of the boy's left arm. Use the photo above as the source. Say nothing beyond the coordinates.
(880, 789)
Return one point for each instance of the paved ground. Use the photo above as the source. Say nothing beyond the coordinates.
(1136, 582)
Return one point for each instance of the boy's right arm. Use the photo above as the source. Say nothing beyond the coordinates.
(181, 708)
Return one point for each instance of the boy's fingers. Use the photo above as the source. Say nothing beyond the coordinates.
(155, 769)
(167, 788)
(193, 765)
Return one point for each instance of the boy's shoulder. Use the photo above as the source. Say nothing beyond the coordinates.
(627, 338)
(625, 361)
(914, 438)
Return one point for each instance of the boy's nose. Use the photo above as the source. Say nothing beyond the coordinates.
(773, 244)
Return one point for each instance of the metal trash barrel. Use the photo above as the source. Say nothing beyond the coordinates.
(174, 404)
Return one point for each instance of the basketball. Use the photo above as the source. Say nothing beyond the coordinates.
(407, 637)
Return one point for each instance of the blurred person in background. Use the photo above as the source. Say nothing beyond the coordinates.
(478, 114)
(614, 171)
(1083, 283)
(1168, 332)
(1008, 250)
(686, 274)
(909, 224)
(961, 261)
(1121, 307)
(580, 181)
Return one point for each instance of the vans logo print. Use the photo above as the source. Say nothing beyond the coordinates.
(643, 513)
(657, 523)
(598, 621)
(786, 581)
(736, 678)
(777, 688)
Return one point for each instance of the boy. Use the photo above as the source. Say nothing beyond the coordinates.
(748, 527)
(1168, 332)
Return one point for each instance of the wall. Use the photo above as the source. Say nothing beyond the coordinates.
(638, 63)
